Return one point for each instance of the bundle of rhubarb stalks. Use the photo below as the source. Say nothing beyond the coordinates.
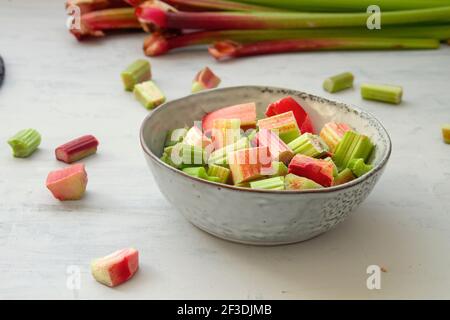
(239, 28)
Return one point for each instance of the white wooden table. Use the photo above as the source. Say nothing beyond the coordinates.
(66, 89)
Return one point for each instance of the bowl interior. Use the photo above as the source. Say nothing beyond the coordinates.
(184, 111)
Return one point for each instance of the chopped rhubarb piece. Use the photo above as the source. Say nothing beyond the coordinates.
(175, 136)
(309, 145)
(220, 156)
(318, 170)
(205, 79)
(289, 104)
(294, 182)
(77, 149)
(68, 183)
(278, 149)
(446, 132)
(358, 167)
(275, 183)
(352, 146)
(195, 137)
(148, 94)
(246, 112)
(333, 132)
(24, 142)
(338, 82)
(278, 169)
(283, 124)
(220, 172)
(344, 176)
(116, 268)
(137, 72)
(249, 164)
(383, 93)
(225, 132)
(198, 172)
(335, 168)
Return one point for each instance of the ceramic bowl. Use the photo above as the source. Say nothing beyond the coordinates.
(261, 217)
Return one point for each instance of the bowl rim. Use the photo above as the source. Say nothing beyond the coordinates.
(331, 189)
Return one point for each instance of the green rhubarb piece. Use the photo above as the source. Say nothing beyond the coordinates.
(308, 144)
(344, 176)
(250, 134)
(219, 172)
(214, 179)
(220, 156)
(338, 82)
(352, 146)
(275, 183)
(294, 182)
(279, 169)
(335, 169)
(137, 72)
(24, 142)
(358, 167)
(283, 124)
(446, 132)
(175, 136)
(243, 185)
(148, 94)
(384, 93)
(193, 155)
(198, 172)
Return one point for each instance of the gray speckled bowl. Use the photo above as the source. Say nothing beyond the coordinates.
(260, 217)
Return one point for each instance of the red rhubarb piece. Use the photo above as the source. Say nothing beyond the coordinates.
(246, 112)
(318, 170)
(278, 149)
(249, 164)
(289, 104)
(116, 268)
(77, 149)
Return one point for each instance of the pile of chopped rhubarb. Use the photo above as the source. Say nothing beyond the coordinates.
(239, 28)
(279, 152)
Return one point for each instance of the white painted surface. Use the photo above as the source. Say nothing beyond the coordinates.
(65, 89)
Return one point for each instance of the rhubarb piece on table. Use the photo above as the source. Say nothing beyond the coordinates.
(68, 183)
(383, 93)
(225, 132)
(283, 124)
(275, 183)
(148, 94)
(352, 146)
(220, 156)
(116, 268)
(344, 176)
(77, 149)
(278, 149)
(289, 104)
(338, 82)
(24, 142)
(175, 136)
(358, 167)
(220, 172)
(249, 164)
(137, 72)
(246, 112)
(205, 79)
(318, 170)
(332, 133)
(446, 132)
(294, 182)
(309, 145)
(195, 137)
(278, 169)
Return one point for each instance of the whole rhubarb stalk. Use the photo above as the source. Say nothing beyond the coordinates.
(223, 50)
(158, 43)
(167, 19)
(218, 5)
(96, 22)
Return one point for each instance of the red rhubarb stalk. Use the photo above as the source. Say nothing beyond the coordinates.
(96, 22)
(86, 6)
(223, 50)
(165, 19)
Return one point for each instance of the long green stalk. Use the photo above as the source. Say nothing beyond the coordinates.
(209, 5)
(157, 44)
(281, 20)
(224, 50)
(348, 5)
